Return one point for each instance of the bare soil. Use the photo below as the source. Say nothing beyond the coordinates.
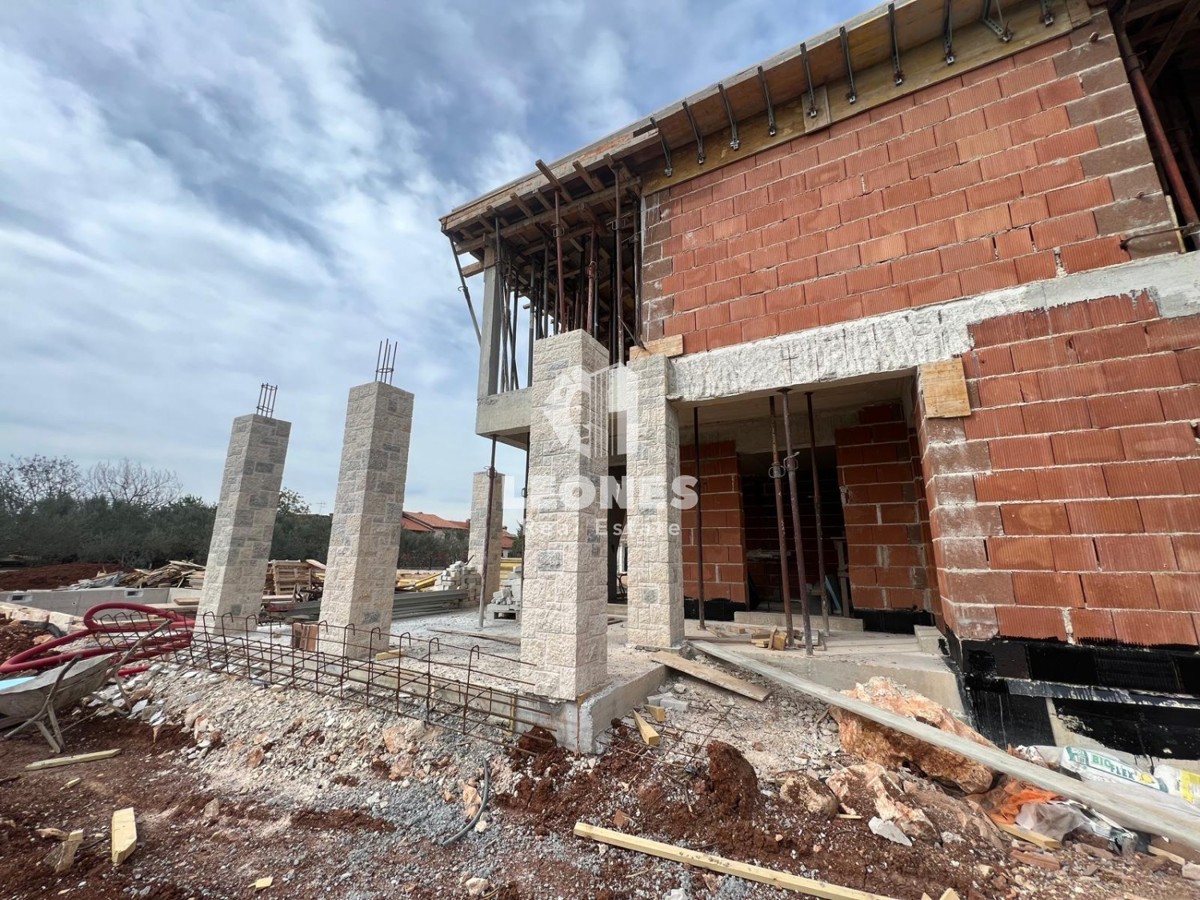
(50, 577)
(15, 638)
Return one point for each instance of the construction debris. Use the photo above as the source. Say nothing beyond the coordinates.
(55, 762)
(891, 749)
(62, 857)
(711, 675)
(124, 835)
(649, 736)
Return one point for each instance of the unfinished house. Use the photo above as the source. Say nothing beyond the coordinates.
(915, 306)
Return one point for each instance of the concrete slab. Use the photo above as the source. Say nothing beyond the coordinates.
(775, 620)
(76, 603)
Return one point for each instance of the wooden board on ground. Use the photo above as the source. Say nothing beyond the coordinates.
(784, 880)
(711, 675)
(1124, 808)
(63, 856)
(71, 760)
(124, 835)
(646, 730)
(669, 347)
(944, 387)
(1030, 837)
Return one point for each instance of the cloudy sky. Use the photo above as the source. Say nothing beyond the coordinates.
(199, 197)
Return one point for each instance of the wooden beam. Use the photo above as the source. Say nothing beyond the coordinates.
(71, 760)
(592, 181)
(646, 730)
(1171, 41)
(944, 387)
(1125, 807)
(711, 675)
(1030, 837)
(668, 347)
(975, 46)
(124, 835)
(784, 880)
(553, 179)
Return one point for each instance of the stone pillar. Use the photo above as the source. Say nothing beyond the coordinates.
(360, 573)
(477, 552)
(653, 534)
(564, 621)
(241, 540)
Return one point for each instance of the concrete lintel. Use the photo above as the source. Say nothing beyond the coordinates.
(506, 415)
(900, 341)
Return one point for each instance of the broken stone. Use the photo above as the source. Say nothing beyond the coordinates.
(1191, 871)
(888, 830)
(883, 787)
(476, 886)
(255, 757)
(212, 810)
(394, 739)
(620, 819)
(809, 794)
(887, 747)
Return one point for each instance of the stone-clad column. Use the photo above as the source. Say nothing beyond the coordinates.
(564, 621)
(477, 552)
(364, 541)
(652, 531)
(241, 540)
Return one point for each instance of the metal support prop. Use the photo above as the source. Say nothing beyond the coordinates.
(852, 94)
(790, 465)
(897, 72)
(1145, 102)
(812, 443)
(695, 133)
(465, 291)
(777, 475)
(617, 354)
(1047, 16)
(593, 314)
(813, 112)
(699, 518)
(487, 534)
(668, 170)
(562, 292)
(734, 142)
(948, 32)
(998, 25)
(762, 80)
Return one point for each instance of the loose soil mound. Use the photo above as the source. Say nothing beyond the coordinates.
(15, 638)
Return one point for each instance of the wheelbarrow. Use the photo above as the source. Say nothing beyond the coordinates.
(32, 701)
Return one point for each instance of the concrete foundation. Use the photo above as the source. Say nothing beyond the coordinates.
(360, 575)
(564, 616)
(581, 725)
(241, 543)
(76, 603)
(653, 533)
(480, 553)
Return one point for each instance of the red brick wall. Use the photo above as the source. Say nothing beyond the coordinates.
(887, 529)
(1067, 506)
(724, 524)
(1016, 172)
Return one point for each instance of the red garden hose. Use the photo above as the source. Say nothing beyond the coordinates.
(114, 637)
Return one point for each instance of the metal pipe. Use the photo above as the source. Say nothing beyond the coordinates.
(487, 534)
(466, 291)
(593, 314)
(1141, 93)
(781, 525)
(812, 444)
(618, 351)
(562, 292)
(699, 516)
(790, 465)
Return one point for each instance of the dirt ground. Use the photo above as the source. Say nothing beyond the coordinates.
(334, 800)
(50, 577)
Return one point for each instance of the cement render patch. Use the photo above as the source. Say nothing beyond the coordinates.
(901, 341)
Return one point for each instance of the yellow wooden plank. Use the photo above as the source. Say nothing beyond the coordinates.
(646, 730)
(668, 346)
(784, 880)
(944, 387)
(711, 675)
(124, 835)
(71, 760)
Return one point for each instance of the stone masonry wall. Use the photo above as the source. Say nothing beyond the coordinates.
(360, 577)
(1067, 506)
(1026, 169)
(245, 522)
(564, 612)
(887, 531)
(477, 548)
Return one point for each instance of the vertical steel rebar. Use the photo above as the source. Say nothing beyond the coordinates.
(699, 518)
(562, 291)
(791, 473)
(487, 535)
(812, 452)
(781, 526)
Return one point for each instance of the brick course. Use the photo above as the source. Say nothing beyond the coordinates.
(1088, 503)
(1013, 173)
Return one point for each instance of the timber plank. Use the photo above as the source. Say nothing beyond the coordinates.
(711, 675)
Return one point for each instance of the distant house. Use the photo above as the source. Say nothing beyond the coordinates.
(428, 523)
